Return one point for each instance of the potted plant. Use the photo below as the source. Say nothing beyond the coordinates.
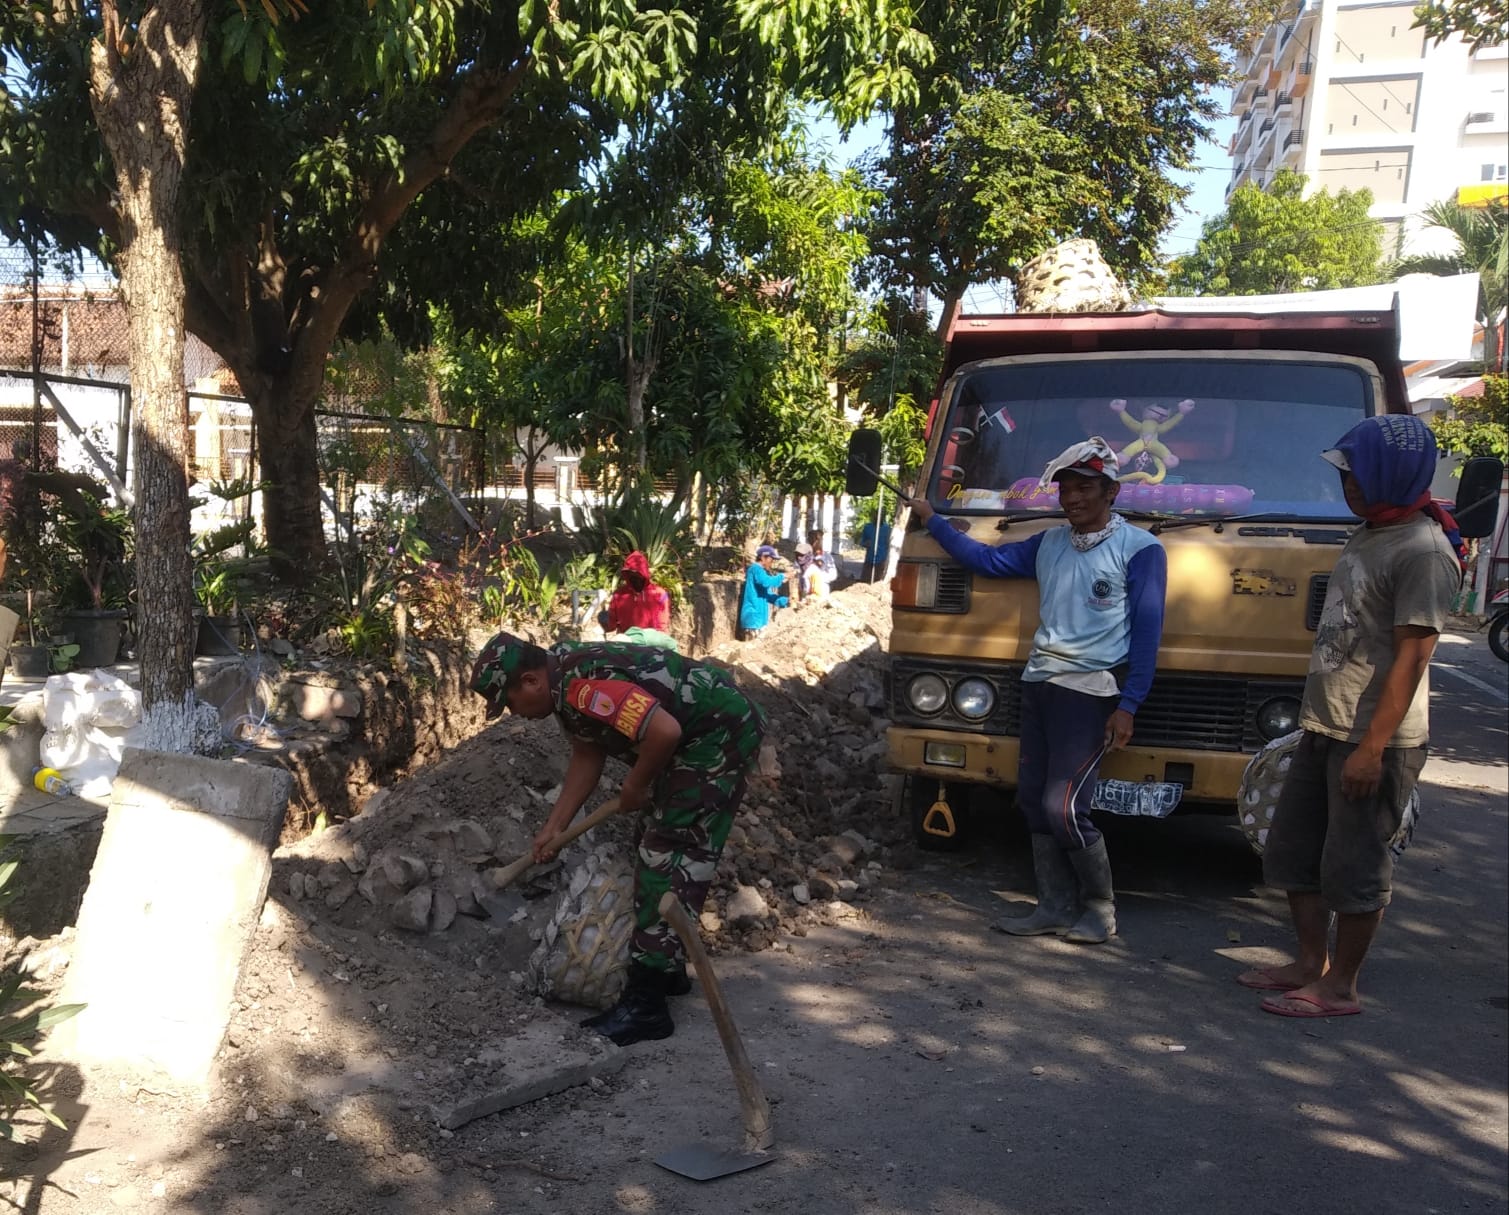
(219, 576)
(30, 661)
(93, 592)
(215, 591)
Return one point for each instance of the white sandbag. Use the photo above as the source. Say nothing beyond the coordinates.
(90, 717)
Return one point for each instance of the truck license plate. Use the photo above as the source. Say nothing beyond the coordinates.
(1146, 799)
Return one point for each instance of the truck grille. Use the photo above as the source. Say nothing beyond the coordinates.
(1198, 712)
(1317, 600)
(953, 589)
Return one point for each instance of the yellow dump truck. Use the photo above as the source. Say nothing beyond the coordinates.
(1219, 421)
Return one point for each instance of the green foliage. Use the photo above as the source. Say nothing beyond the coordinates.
(528, 584)
(371, 569)
(60, 656)
(99, 541)
(1480, 22)
(896, 354)
(901, 434)
(737, 298)
(216, 589)
(222, 578)
(22, 1019)
(638, 520)
(378, 376)
(587, 572)
(1278, 240)
(972, 194)
(440, 603)
(392, 144)
(1071, 129)
(745, 510)
(1477, 426)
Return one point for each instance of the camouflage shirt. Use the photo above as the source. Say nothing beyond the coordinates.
(605, 694)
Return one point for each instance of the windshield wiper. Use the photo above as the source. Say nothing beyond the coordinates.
(1217, 522)
(1023, 516)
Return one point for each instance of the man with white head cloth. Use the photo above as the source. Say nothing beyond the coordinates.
(1101, 586)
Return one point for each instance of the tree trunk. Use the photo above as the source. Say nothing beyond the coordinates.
(637, 374)
(952, 298)
(639, 379)
(288, 450)
(141, 100)
(531, 454)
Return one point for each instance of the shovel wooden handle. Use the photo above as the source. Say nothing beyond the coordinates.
(759, 1135)
(510, 873)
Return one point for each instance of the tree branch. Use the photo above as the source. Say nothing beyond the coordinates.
(477, 103)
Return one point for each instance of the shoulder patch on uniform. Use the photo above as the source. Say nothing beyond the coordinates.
(616, 702)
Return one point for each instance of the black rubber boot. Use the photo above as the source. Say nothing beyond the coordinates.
(1098, 924)
(1057, 894)
(640, 1014)
(674, 982)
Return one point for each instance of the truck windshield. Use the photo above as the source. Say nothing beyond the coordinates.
(1200, 437)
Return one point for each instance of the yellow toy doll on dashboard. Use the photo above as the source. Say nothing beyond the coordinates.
(1148, 447)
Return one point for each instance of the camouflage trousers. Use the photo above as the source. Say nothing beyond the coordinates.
(683, 835)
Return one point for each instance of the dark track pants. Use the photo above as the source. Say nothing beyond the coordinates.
(1063, 740)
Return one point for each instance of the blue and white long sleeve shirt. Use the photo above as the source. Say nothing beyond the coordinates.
(1100, 609)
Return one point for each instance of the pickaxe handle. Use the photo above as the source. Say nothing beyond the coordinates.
(758, 1133)
(501, 878)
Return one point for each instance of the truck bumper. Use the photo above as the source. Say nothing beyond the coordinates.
(988, 759)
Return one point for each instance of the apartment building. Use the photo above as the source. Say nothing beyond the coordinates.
(1352, 96)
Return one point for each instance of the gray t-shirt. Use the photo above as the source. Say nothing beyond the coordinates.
(1386, 577)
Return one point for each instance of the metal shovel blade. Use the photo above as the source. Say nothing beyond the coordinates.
(702, 1162)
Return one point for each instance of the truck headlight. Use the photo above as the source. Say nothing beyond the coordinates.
(927, 693)
(974, 698)
(1278, 717)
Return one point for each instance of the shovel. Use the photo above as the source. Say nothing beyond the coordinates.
(498, 907)
(698, 1160)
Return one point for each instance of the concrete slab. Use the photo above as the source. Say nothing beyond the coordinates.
(172, 903)
(533, 1064)
(538, 1061)
(26, 811)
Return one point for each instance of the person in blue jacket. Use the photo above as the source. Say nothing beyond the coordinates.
(1101, 585)
(762, 590)
(877, 545)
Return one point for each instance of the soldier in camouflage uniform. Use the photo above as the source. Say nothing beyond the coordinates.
(691, 738)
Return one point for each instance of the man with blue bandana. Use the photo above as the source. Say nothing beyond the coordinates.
(1364, 715)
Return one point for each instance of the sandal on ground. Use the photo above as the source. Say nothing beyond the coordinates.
(1291, 1005)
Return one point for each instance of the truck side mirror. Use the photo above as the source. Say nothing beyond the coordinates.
(862, 476)
(1477, 510)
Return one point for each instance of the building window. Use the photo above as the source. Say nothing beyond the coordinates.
(1495, 173)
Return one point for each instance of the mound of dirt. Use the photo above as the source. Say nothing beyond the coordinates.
(388, 982)
(813, 827)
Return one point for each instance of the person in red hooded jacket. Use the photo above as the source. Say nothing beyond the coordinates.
(638, 602)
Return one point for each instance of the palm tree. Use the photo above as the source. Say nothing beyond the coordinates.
(1482, 235)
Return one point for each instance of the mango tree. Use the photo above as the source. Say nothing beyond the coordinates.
(320, 134)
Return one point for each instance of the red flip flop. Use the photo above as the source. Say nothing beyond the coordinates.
(1284, 1006)
(1263, 980)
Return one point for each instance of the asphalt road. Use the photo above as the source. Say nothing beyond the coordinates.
(921, 1063)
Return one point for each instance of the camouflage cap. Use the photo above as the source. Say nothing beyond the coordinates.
(499, 659)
